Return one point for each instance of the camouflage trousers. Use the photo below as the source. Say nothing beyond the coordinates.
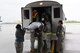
(19, 47)
(59, 45)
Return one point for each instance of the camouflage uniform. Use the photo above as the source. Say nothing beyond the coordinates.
(19, 39)
(48, 36)
(60, 38)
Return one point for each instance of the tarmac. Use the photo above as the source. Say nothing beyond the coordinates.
(72, 39)
(71, 43)
(7, 39)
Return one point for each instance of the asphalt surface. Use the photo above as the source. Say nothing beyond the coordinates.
(7, 39)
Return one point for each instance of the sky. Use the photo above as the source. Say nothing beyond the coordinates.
(10, 10)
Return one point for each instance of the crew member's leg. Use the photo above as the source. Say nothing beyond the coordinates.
(48, 44)
(40, 44)
(19, 47)
(32, 41)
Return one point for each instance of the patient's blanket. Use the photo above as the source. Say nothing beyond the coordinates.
(34, 25)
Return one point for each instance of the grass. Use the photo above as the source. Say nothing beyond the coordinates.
(72, 21)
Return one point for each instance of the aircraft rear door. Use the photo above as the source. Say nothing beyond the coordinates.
(57, 12)
(26, 16)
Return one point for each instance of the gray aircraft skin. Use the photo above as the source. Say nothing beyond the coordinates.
(52, 8)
